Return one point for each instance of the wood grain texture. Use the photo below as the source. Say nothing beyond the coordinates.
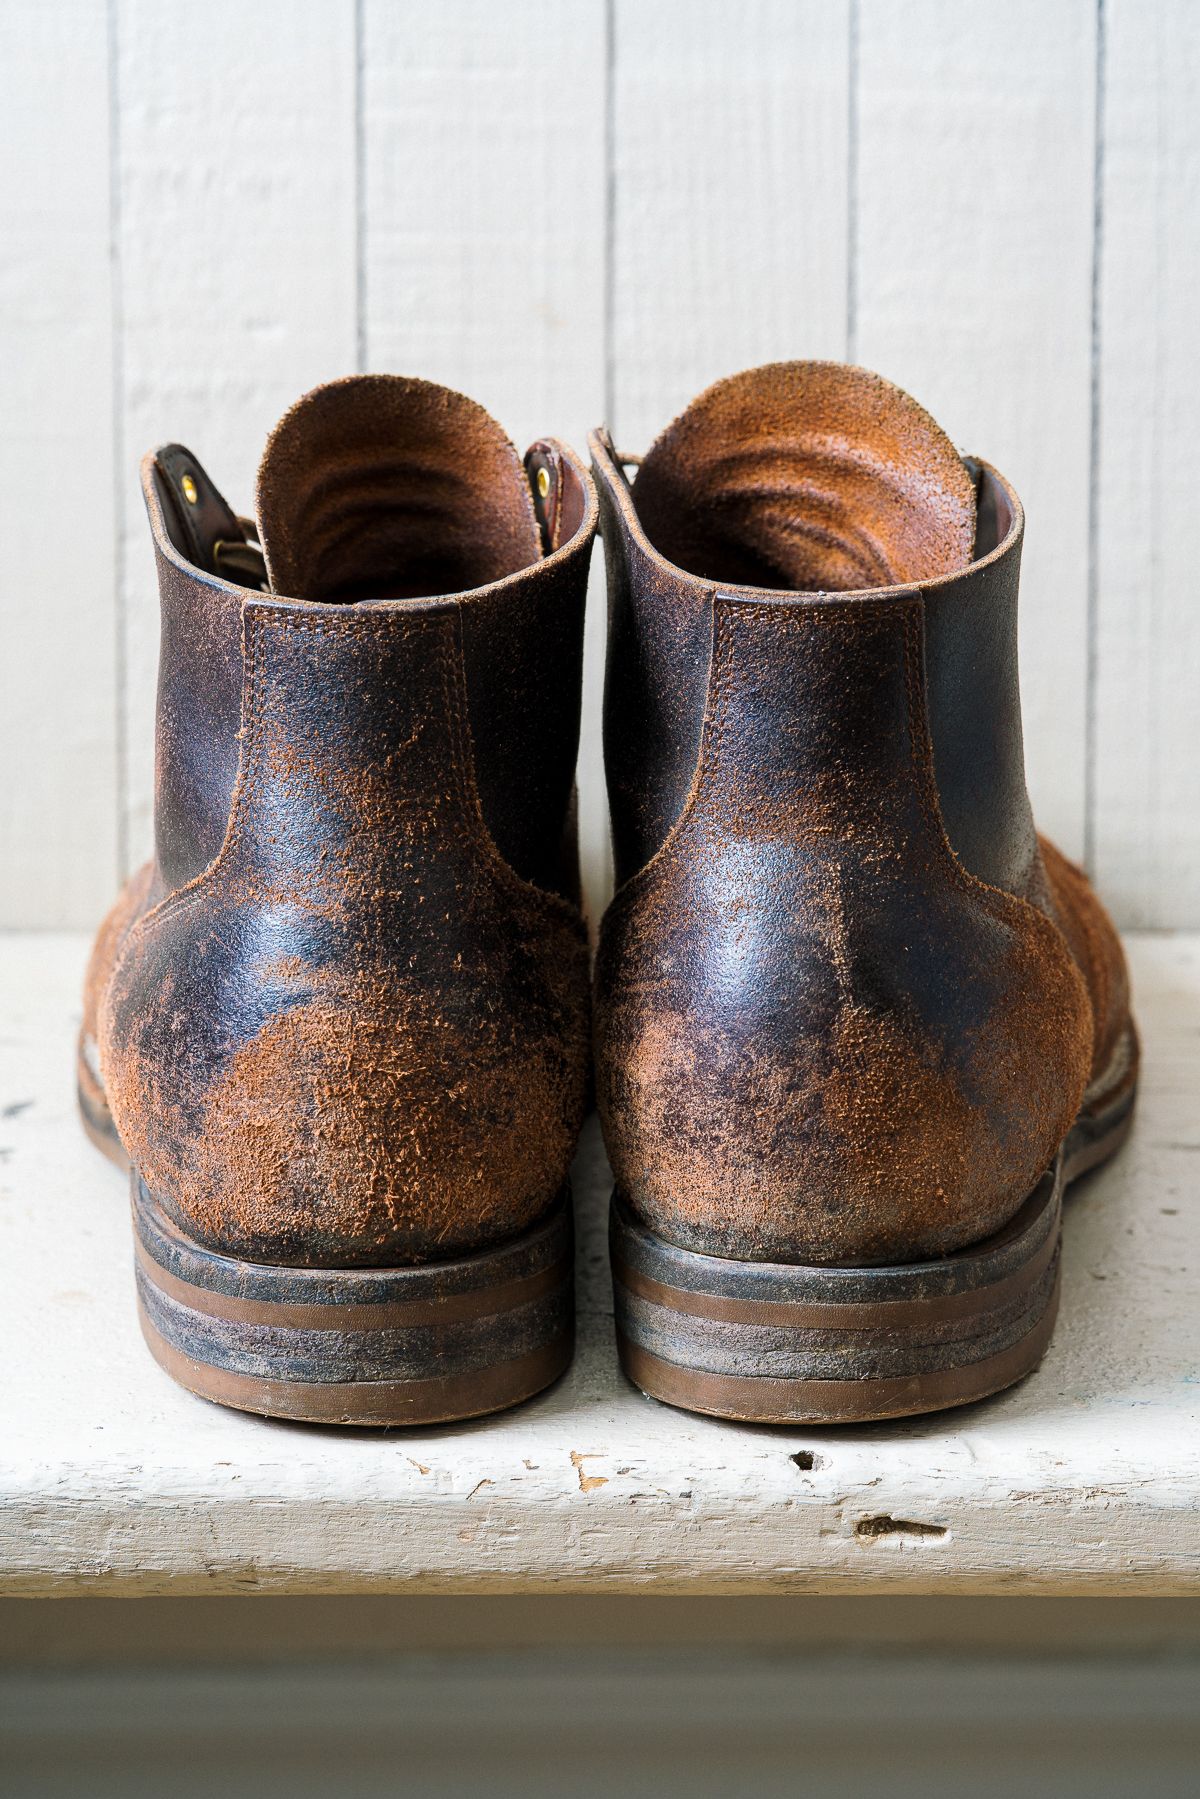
(1146, 818)
(58, 797)
(236, 265)
(1084, 1479)
(973, 247)
(729, 228)
(483, 133)
(596, 208)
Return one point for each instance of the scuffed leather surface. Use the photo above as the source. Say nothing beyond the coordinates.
(974, 705)
(845, 1011)
(122, 915)
(655, 677)
(797, 475)
(523, 659)
(198, 719)
(385, 486)
(523, 665)
(358, 1037)
(345, 1028)
(810, 476)
(1096, 947)
(660, 626)
(388, 487)
(818, 1037)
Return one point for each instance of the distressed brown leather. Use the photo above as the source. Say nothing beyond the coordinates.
(343, 1015)
(846, 1009)
(1096, 948)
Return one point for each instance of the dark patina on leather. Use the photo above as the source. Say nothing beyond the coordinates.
(846, 1008)
(343, 1015)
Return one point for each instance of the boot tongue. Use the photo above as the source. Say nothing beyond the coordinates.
(808, 476)
(383, 487)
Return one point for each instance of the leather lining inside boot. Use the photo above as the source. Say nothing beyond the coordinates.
(384, 487)
(807, 477)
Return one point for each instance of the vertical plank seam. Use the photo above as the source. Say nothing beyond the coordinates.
(852, 51)
(117, 379)
(360, 189)
(610, 212)
(1092, 666)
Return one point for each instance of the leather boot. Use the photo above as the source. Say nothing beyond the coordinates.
(339, 1024)
(856, 1026)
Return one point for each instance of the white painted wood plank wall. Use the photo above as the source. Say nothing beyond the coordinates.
(730, 217)
(586, 211)
(59, 670)
(1146, 769)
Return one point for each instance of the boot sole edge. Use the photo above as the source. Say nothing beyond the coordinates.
(731, 1339)
(420, 1345)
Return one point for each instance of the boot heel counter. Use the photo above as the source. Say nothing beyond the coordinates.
(819, 1037)
(358, 1035)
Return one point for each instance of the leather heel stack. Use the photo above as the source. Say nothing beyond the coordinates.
(372, 1346)
(777, 1343)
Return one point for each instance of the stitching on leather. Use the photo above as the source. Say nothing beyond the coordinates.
(255, 621)
(644, 878)
(248, 735)
(354, 624)
(1099, 977)
(463, 769)
(828, 613)
(925, 779)
(1007, 907)
(264, 620)
(470, 825)
(711, 753)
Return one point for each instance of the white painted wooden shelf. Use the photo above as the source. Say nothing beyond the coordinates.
(1084, 1479)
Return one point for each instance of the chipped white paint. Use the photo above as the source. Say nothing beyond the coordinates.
(1085, 1479)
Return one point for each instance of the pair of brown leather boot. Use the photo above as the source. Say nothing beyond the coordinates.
(854, 1025)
